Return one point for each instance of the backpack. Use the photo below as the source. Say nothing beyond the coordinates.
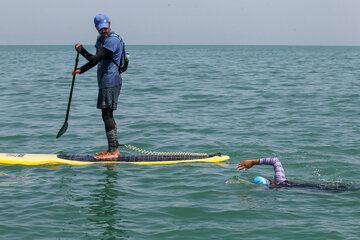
(124, 59)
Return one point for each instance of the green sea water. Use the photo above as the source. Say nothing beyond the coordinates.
(300, 104)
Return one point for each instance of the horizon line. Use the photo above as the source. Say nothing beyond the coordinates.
(285, 45)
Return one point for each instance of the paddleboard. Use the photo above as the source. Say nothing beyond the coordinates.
(84, 159)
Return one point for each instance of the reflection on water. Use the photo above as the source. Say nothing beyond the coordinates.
(105, 209)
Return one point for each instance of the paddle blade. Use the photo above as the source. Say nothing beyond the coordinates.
(62, 130)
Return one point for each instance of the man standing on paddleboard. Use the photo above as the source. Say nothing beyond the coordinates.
(109, 56)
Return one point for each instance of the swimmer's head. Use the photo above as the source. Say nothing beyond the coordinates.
(261, 180)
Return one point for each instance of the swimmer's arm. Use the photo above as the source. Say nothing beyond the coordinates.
(279, 172)
(246, 164)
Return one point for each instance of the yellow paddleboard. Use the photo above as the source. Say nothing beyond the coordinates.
(83, 159)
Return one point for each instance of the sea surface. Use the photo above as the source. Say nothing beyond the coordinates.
(300, 104)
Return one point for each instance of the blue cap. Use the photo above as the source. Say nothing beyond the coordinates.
(101, 21)
(261, 180)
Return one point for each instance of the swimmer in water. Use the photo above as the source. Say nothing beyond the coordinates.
(280, 178)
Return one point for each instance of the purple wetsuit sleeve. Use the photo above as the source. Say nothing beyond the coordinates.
(279, 175)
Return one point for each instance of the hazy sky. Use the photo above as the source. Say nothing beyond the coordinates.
(265, 22)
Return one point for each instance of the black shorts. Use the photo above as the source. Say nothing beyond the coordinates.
(108, 97)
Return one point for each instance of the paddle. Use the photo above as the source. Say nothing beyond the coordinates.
(65, 126)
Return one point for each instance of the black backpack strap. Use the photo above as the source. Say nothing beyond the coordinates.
(122, 58)
(115, 62)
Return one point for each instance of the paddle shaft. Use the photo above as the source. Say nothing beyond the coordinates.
(72, 88)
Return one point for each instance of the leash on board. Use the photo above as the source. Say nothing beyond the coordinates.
(147, 152)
